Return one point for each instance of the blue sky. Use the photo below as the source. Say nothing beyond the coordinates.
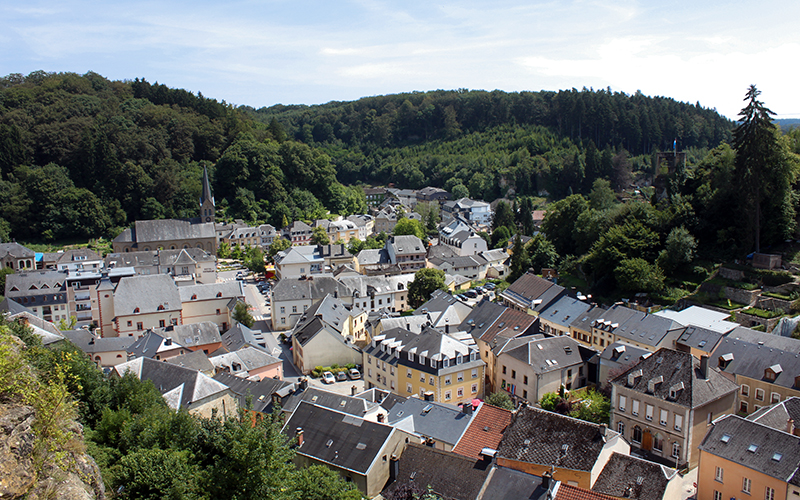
(265, 52)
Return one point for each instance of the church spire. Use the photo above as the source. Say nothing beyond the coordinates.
(207, 205)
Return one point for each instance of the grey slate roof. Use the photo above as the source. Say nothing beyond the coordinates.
(449, 475)
(211, 291)
(585, 320)
(239, 336)
(193, 334)
(777, 415)
(311, 289)
(751, 360)
(352, 405)
(88, 343)
(564, 311)
(645, 328)
(259, 393)
(372, 256)
(766, 339)
(242, 361)
(407, 244)
(504, 483)
(699, 338)
(170, 229)
(12, 307)
(78, 255)
(158, 258)
(625, 476)
(429, 419)
(146, 293)
(150, 344)
(14, 249)
(547, 354)
(354, 442)
(681, 371)
(545, 438)
(196, 360)
(623, 353)
(25, 284)
(742, 434)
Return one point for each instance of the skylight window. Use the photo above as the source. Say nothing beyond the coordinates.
(752, 448)
(777, 457)
(725, 438)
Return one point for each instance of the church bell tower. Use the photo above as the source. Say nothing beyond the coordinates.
(207, 206)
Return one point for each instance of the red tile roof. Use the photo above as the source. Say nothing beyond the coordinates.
(567, 492)
(485, 431)
(509, 320)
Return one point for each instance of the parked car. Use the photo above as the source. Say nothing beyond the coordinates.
(341, 376)
(479, 290)
(461, 296)
(328, 378)
(240, 276)
(489, 286)
(354, 374)
(471, 294)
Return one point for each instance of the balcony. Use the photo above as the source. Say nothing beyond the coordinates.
(84, 316)
(82, 296)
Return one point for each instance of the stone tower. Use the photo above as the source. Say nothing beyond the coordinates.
(207, 206)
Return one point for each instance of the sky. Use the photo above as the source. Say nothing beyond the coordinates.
(265, 52)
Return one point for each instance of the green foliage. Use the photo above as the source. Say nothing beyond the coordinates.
(592, 406)
(503, 216)
(412, 227)
(541, 253)
(638, 275)
(4, 271)
(319, 236)
(500, 399)
(519, 261)
(154, 474)
(320, 483)
(679, 249)
(279, 245)
(426, 281)
(254, 260)
(560, 222)
(550, 401)
(354, 246)
(602, 197)
(242, 315)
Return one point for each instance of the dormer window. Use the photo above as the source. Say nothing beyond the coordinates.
(725, 360)
(446, 362)
(161, 307)
(136, 311)
(459, 359)
(219, 294)
(632, 376)
(772, 372)
(653, 383)
(194, 296)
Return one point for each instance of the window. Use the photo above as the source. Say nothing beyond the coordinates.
(664, 416)
(718, 474)
(460, 392)
(621, 427)
(743, 406)
(448, 395)
(525, 379)
(369, 372)
(746, 484)
(460, 376)
(678, 422)
(769, 494)
(447, 380)
(408, 373)
(745, 390)
(648, 412)
(525, 394)
(622, 402)
(283, 310)
(636, 435)
(139, 326)
(504, 369)
(760, 394)
(431, 380)
(130, 323)
(410, 389)
(717, 495)
(676, 450)
(775, 398)
(513, 374)
(283, 321)
(422, 377)
(474, 388)
(634, 407)
(474, 373)
(162, 323)
(658, 443)
(294, 309)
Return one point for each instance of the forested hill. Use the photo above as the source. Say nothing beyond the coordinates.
(82, 156)
(529, 141)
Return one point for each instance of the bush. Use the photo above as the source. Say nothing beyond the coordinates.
(764, 313)
(776, 278)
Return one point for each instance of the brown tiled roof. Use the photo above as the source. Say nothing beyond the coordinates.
(567, 492)
(485, 431)
(530, 286)
(506, 325)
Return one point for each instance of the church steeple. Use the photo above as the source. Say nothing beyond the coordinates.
(207, 206)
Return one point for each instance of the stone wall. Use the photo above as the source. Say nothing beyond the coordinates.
(773, 304)
(731, 274)
(750, 321)
(741, 296)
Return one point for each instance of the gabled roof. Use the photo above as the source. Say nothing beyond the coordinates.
(777, 415)
(14, 249)
(150, 344)
(12, 307)
(769, 340)
(482, 317)
(193, 334)
(336, 438)
(88, 343)
(239, 336)
(485, 431)
(211, 291)
(196, 360)
(545, 438)
(153, 231)
(443, 309)
(527, 288)
(676, 376)
(564, 311)
(546, 354)
(25, 284)
(645, 328)
(309, 289)
(756, 446)
(240, 362)
(78, 255)
(158, 258)
(352, 405)
(429, 419)
(625, 476)
(700, 338)
(373, 256)
(259, 393)
(180, 386)
(752, 359)
(584, 321)
(147, 293)
(449, 476)
(567, 492)
(623, 353)
(504, 483)
(407, 244)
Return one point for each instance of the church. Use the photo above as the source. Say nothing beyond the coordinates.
(173, 234)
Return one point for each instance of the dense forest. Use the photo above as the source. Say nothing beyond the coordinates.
(82, 156)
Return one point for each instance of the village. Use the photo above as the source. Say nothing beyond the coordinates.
(389, 395)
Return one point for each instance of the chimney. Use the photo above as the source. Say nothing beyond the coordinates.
(167, 341)
(381, 418)
(303, 384)
(91, 341)
(603, 429)
(353, 390)
(704, 367)
(790, 426)
(466, 408)
(394, 468)
(428, 396)
(299, 437)
(547, 478)
(447, 329)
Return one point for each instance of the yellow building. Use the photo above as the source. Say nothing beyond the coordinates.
(740, 458)
(430, 364)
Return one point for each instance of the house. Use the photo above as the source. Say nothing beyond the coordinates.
(317, 343)
(431, 364)
(43, 292)
(428, 194)
(87, 294)
(250, 363)
(443, 311)
(700, 317)
(153, 345)
(375, 261)
(210, 302)
(246, 236)
(339, 229)
(574, 451)
(17, 257)
(141, 303)
(740, 458)
(352, 405)
(298, 232)
(374, 196)
(291, 298)
(664, 403)
(297, 261)
(617, 358)
(183, 388)
(203, 336)
(349, 321)
(485, 430)
(581, 327)
(79, 259)
(437, 425)
(104, 351)
(697, 341)
(530, 292)
(781, 416)
(375, 293)
(186, 266)
(528, 368)
(461, 237)
(497, 262)
(473, 267)
(556, 318)
(364, 223)
(254, 397)
(626, 476)
(359, 450)
(239, 336)
(407, 251)
(477, 212)
(448, 475)
(765, 367)
(623, 324)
